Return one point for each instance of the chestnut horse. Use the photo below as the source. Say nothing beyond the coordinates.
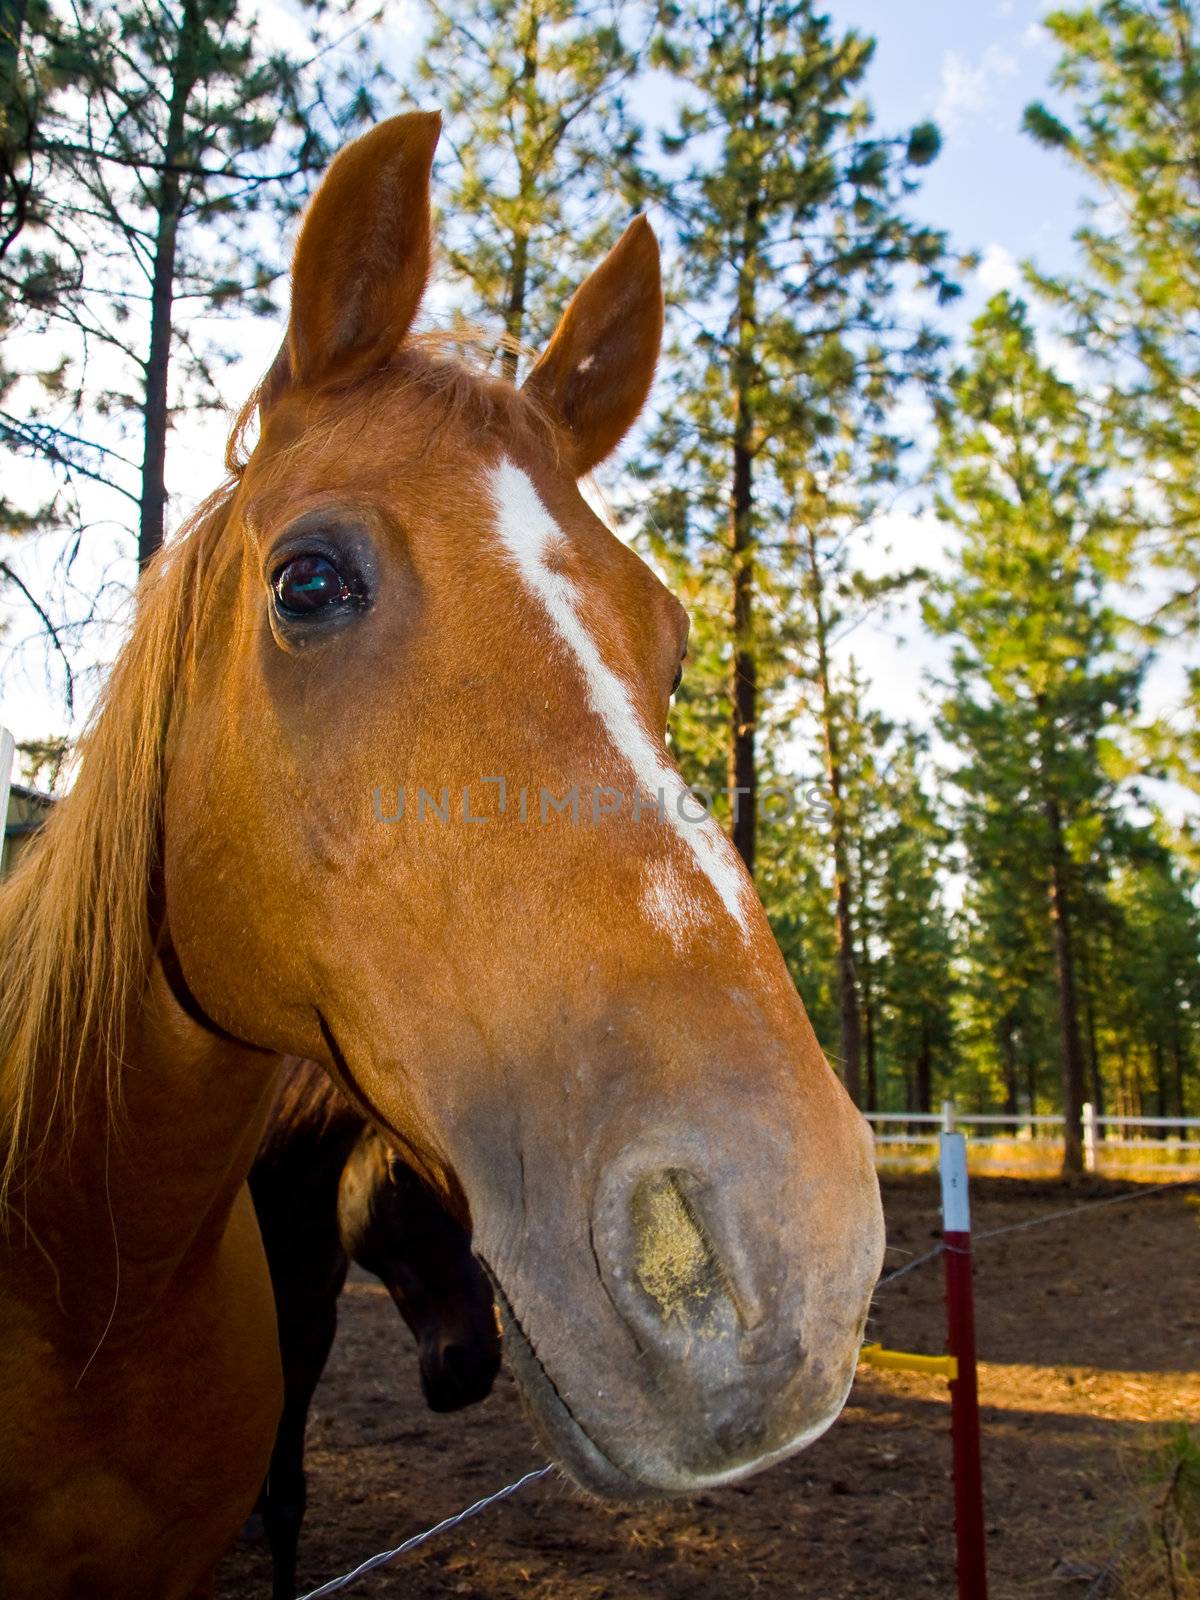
(575, 1024)
(327, 1189)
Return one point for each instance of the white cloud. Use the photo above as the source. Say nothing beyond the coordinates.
(967, 87)
(998, 269)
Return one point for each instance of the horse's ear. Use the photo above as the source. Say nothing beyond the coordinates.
(278, 378)
(362, 258)
(596, 372)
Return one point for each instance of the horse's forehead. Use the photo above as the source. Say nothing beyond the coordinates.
(439, 492)
(438, 487)
(420, 415)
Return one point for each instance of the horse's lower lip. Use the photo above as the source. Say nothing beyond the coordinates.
(566, 1440)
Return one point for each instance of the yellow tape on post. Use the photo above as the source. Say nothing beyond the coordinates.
(874, 1355)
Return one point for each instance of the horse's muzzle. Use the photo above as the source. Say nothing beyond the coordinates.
(746, 1334)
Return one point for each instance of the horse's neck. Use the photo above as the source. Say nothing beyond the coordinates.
(143, 1187)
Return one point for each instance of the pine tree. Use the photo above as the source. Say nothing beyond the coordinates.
(829, 711)
(1130, 73)
(793, 880)
(793, 233)
(1006, 1007)
(540, 169)
(24, 86)
(1148, 1010)
(830, 597)
(1038, 679)
(38, 265)
(170, 171)
(916, 982)
(866, 815)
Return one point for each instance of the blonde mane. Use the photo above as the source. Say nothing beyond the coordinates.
(75, 942)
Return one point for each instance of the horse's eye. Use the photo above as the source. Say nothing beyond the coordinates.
(306, 585)
(677, 679)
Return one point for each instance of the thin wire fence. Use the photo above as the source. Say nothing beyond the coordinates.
(386, 1557)
(1150, 1192)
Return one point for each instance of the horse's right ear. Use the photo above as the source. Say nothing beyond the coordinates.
(595, 373)
(362, 259)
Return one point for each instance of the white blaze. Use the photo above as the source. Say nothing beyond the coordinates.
(529, 533)
(668, 903)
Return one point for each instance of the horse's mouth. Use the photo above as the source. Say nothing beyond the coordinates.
(564, 1438)
(574, 1449)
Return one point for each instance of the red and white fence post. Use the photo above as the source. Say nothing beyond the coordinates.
(964, 1388)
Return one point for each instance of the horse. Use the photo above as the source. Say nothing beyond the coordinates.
(547, 979)
(327, 1189)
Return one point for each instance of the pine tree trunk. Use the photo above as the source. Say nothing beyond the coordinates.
(518, 279)
(869, 1051)
(851, 1037)
(925, 1072)
(1095, 1080)
(1070, 1052)
(742, 773)
(152, 519)
(1179, 1060)
(1160, 1083)
(14, 123)
(743, 680)
(848, 997)
(514, 309)
(867, 987)
(743, 683)
(1008, 1050)
(156, 413)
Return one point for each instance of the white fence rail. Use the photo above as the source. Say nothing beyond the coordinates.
(1117, 1145)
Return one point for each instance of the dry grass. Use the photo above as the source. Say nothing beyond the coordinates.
(1156, 1556)
(1149, 1160)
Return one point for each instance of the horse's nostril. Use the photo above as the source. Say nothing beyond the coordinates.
(673, 1260)
(684, 1264)
(460, 1361)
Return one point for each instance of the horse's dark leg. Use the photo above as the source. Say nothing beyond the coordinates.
(306, 1331)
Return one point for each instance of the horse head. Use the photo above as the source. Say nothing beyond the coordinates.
(422, 823)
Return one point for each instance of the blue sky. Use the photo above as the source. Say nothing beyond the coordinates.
(972, 66)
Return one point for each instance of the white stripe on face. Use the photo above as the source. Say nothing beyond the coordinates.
(529, 533)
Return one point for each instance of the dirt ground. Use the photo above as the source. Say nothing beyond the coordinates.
(1089, 1338)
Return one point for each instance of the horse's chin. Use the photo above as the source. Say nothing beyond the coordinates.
(572, 1448)
(561, 1436)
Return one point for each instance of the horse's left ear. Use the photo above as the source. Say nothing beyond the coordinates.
(363, 255)
(596, 372)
